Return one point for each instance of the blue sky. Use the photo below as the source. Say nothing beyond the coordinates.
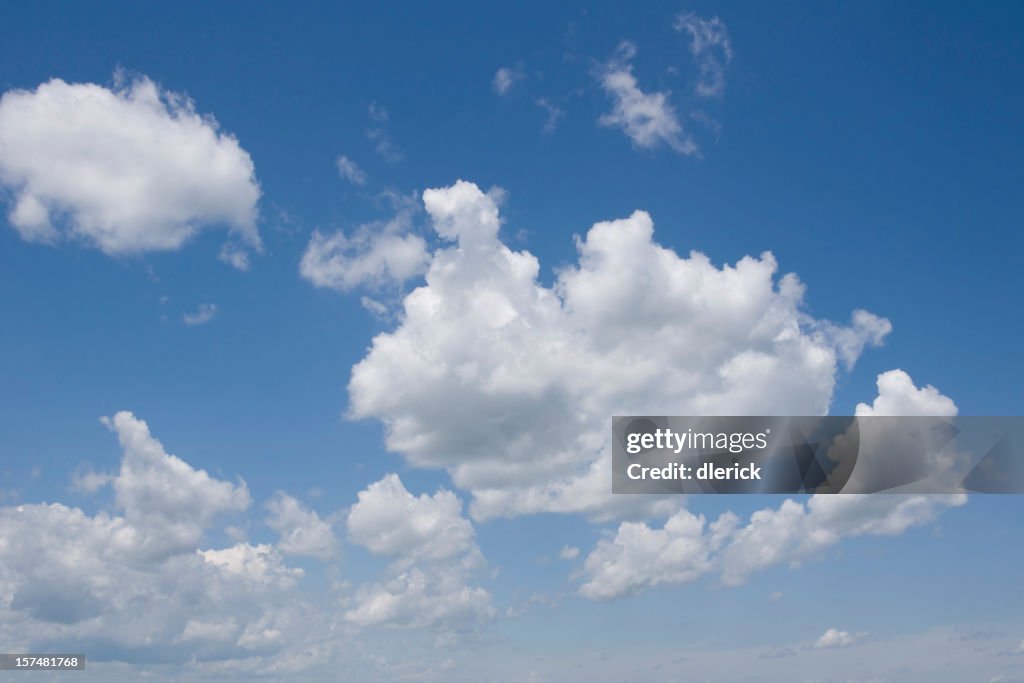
(873, 149)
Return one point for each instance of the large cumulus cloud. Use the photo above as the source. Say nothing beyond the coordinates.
(509, 384)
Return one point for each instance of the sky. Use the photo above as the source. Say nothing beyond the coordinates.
(315, 317)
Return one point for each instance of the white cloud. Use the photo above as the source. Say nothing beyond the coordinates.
(897, 395)
(350, 171)
(866, 329)
(136, 585)
(796, 532)
(418, 598)
(834, 638)
(87, 480)
(685, 549)
(648, 119)
(934, 467)
(209, 630)
(505, 79)
(384, 145)
(553, 111)
(302, 531)
(234, 255)
(711, 50)
(376, 254)
(165, 501)
(388, 520)
(377, 112)
(569, 552)
(258, 565)
(378, 309)
(203, 314)
(530, 374)
(641, 556)
(128, 170)
(434, 555)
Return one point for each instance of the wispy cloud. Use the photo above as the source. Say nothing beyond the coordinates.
(202, 315)
(384, 145)
(350, 171)
(506, 78)
(648, 119)
(378, 134)
(377, 112)
(376, 254)
(554, 114)
(711, 50)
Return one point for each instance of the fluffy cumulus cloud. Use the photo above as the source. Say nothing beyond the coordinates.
(434, 554)
(795, 532)
(509, 384)
(684, 549)
(302, 530)
(711, 50)
(166, 502)
(640, 557)
(136, 584)
(897, 395)
(376, 254)
(258, 565)
(647, 118)
(127, 169)
(388, 520)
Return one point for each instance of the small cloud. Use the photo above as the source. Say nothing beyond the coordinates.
(505, 79)
(350, 171)
(377, 112)
(711, 50)
(376, 254)
(647, 118)
(202, 315)
(375, 307)
(777, 653)
(712, 125)
(775, 597)
(569, 553)
(384, 145)
(554, 114)
(834, 638)
(234, 256)
(87, 480)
